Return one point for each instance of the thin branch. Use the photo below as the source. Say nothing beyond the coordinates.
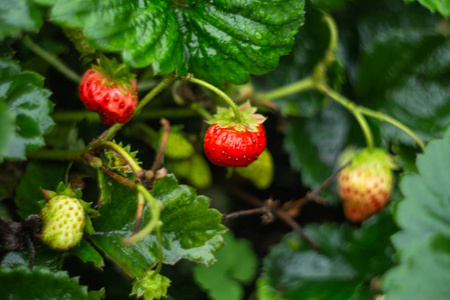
(162, 149)
(259, 210)
(284, 216)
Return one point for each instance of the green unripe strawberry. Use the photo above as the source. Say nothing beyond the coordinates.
(259, 172)
(365, 185)
(63, 221)
(200, 173)
(178, 147)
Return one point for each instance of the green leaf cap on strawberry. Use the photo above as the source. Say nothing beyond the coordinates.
(117, 163)
(250, 121)
(365, 184)
(115, 74)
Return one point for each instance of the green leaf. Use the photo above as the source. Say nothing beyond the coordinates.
(7, 128)
(423, 270)
(403, 70)
(215, 40)
(311, 43)
(87, 253)
(313, 144)
(425, 208)
(29, 102)
(190, 229)
(348, 258)
(423, 244)
(41, 283)
(18, 15)
(236, 265)
(44, 258)
(441, 6)
(45, 175)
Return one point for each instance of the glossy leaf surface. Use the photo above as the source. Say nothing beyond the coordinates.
(28, 101)
(190, 229)
(215, 40)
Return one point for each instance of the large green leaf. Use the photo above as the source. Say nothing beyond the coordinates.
(313, 144)
(423, 244)
(41, 283)
(426, 206)
(29, 102)
(6, 128)
(441, 6)
(216, 40)
(190, 229)
(236, 265)
(18, 15)
(348, 259)
(45, 175)
(403, 70)
(423, 271)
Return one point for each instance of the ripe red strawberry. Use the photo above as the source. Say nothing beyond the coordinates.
(110, 90)
(365, 185)
(63, 221)
(231, 143)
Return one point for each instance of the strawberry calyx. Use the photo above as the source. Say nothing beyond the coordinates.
(225, 118)
(375, 158)
(115, 74)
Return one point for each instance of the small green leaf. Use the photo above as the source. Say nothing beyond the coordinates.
(347, 259)
(441, 6)
(41, 283)
(190, 229)
(18, 15)
(87, 253)
(216, 40)
(236, 265)
(45, 175)
(28, 101)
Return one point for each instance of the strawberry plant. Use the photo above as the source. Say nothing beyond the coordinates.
(181, 149)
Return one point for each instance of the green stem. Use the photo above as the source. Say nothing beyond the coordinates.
(201, 111)
(51, 59)
(329, 56)
(90, 116)
(57, 154)
(154, 222)
(144, 101)
(296, 87)
(353, 108)
(160, 252)
(119, 150)
(398, 124)
(224, 96)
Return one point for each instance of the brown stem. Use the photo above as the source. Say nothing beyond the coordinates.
(139, 213)
(120, 179)
(283, 215)
(259, 210)
(148, 182)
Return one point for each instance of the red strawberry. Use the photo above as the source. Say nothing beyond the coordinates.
(365, 185)
(231, 143)
(109, 90)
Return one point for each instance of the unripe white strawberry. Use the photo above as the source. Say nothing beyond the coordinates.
(365, 185)
(63, 220)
